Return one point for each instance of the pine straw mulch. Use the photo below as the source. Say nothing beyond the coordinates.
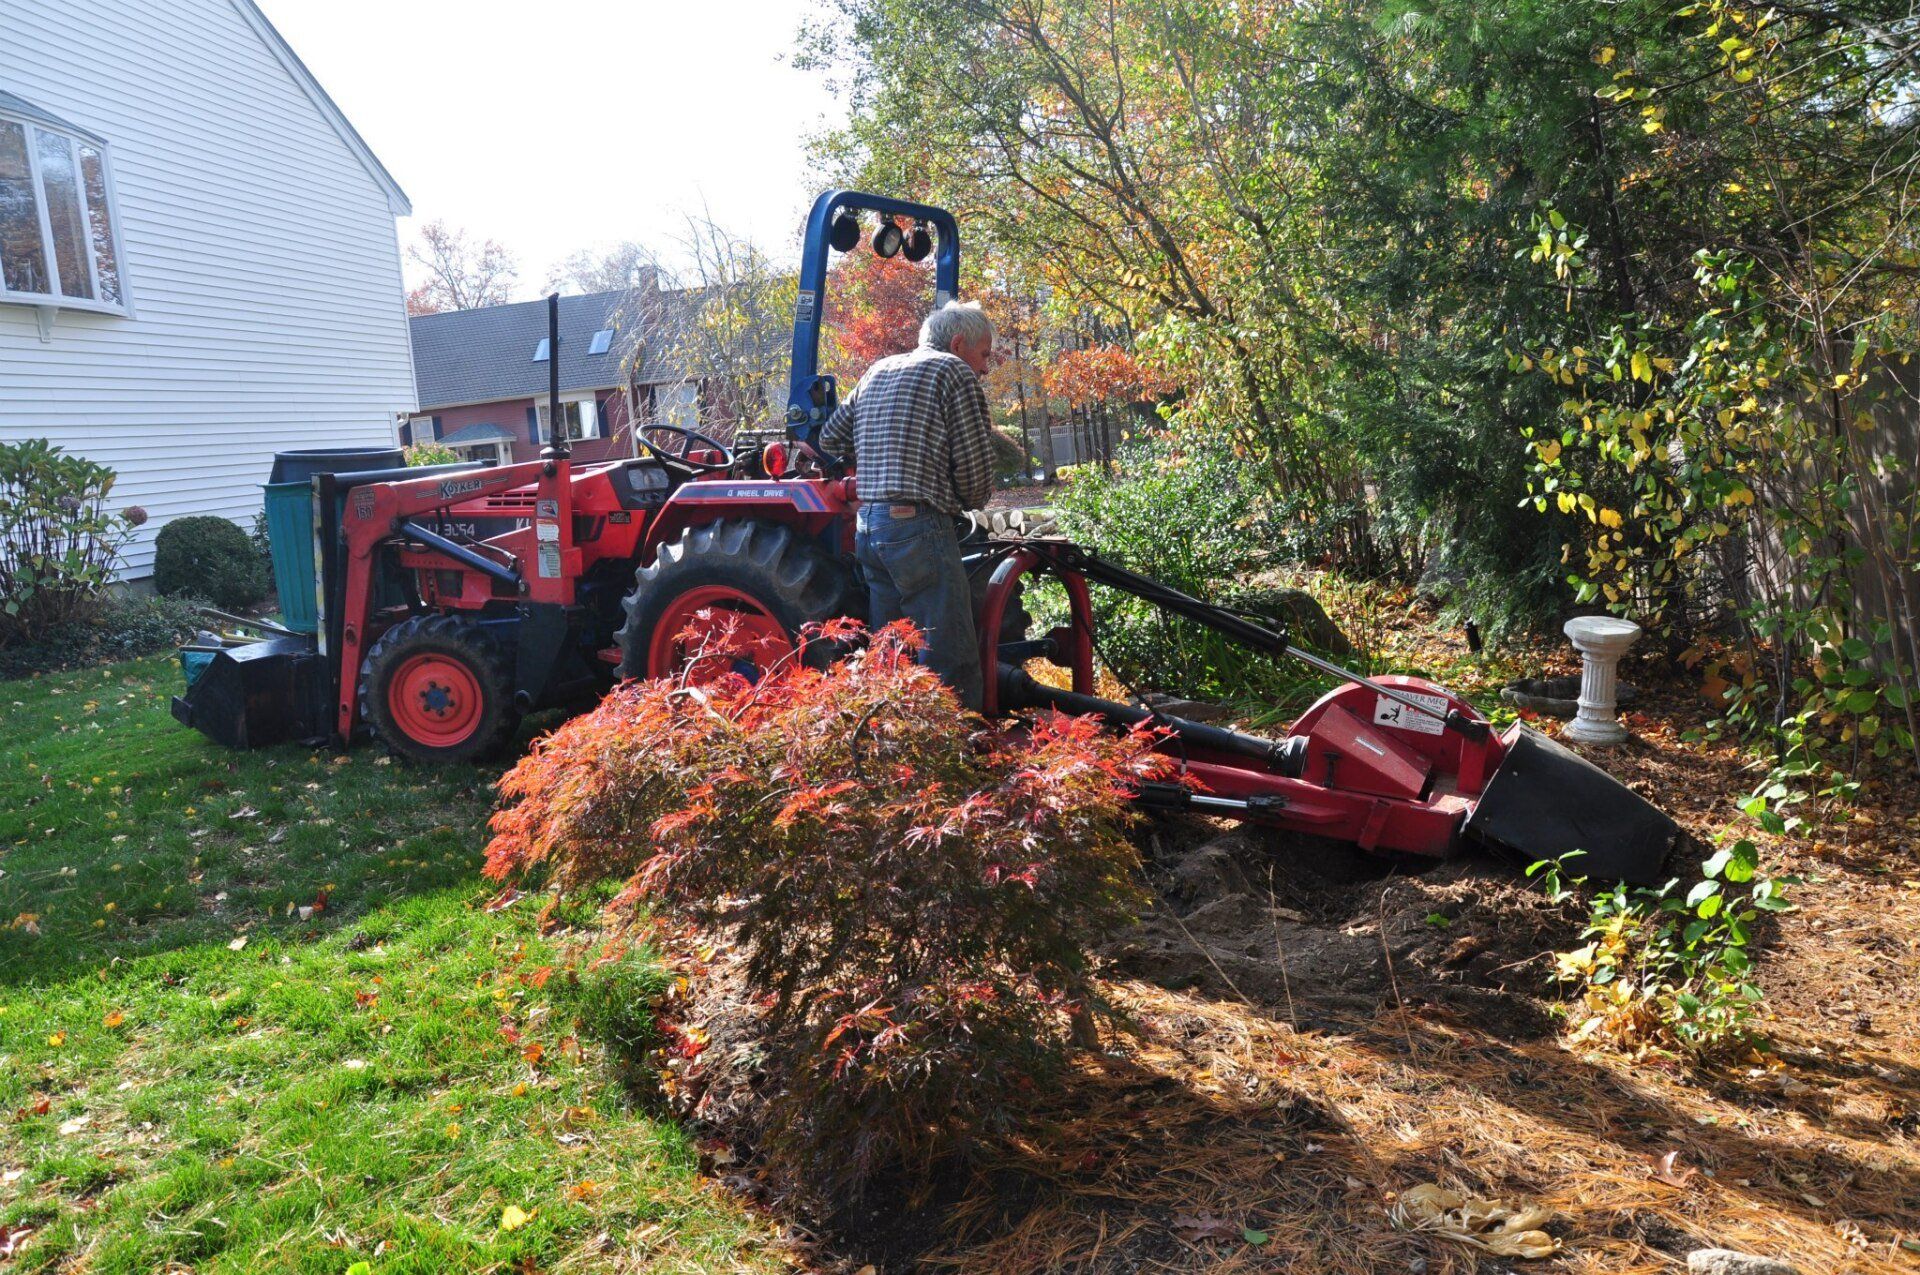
(1399, 1049)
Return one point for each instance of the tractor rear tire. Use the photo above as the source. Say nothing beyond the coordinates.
(439, 689)
(759, 576)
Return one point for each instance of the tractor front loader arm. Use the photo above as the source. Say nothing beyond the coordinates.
(378, 512)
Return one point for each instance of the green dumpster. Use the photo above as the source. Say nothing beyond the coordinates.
(290, 534)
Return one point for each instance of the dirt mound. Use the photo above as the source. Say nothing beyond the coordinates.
(1323, 934)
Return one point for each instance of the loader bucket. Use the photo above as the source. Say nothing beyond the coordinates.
(1546, 800)
(259, 694)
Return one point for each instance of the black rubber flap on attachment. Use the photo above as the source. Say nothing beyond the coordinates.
(1547, 800)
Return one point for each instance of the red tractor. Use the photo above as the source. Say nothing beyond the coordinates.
(453, 599)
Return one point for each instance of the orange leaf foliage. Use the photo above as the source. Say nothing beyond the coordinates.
(913, 892)
(1101, 374)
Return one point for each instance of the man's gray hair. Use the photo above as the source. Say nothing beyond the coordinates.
(953, 321)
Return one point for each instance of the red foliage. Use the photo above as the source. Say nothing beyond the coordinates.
(913, 896)
(1101, 374)
(874, 308)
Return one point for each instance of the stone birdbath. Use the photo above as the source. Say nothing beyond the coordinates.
(1601, 641)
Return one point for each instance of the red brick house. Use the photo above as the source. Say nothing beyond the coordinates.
(481, 376)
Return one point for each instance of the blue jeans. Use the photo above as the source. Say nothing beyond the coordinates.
(913, 571)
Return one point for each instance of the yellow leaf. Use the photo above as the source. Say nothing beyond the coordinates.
(1565, 501)
(1734, 188)
(1641, 365)
(513, 1217)
(1609, 518)
(453, 1130)
(57, 1039)
(1606, 55)
(1549, 450)
(113, 1019)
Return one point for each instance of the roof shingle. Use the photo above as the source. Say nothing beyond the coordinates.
(486, 355)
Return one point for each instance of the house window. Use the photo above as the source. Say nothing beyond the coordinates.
(59, 238)
(580, 417)
(602, 341)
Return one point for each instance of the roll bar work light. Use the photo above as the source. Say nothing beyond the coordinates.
(834, 226)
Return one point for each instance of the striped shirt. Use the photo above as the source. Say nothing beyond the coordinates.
(918, 428)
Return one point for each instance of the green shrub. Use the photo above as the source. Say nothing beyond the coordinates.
(1670, 970)
(121, 628)
(1181, 507)
(58, 544)
(908, 906)
(432, 454)
(206, 556)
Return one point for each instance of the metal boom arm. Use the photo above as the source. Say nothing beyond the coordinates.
(1063, 555)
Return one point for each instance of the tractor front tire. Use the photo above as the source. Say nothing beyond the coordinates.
(439, 689)
(745, 586)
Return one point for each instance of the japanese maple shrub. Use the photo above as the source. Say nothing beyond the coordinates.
(912, 894)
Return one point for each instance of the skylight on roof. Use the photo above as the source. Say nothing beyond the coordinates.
(540, 351)
(602, 341)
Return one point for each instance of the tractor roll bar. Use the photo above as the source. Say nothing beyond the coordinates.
(811, 397)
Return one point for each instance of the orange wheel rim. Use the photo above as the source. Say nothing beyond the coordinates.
(436, 700)
(714, 630)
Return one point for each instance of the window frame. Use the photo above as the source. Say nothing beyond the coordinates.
(75, 138)
(587, 403)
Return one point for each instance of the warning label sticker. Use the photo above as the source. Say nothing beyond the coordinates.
(547, 531)
(1391, 712)
(549, 560)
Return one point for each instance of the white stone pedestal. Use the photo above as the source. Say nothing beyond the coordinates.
(1601, 641)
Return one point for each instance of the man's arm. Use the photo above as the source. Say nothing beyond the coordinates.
(836, 438)
(972, 426)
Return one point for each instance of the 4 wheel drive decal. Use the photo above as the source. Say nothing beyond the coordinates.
(804, 496)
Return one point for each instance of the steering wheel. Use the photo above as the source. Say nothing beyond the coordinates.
(688, 440)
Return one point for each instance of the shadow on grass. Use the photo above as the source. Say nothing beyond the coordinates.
(123, 833)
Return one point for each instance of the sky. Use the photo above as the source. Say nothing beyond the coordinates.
(557, 125)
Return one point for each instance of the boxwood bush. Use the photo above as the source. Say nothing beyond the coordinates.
(206, 556)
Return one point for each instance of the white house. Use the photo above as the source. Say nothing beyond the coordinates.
(199, 264)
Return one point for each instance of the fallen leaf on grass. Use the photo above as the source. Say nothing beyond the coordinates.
(237, 944)
(10, 1238)
(75, 1125)
(57, 1039)
(113, 1019)
(513, 1217)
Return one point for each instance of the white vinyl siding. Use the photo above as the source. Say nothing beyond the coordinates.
(258, 247)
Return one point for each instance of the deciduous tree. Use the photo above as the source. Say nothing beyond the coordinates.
(459, 274)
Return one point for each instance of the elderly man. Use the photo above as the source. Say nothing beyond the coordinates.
(918, 429)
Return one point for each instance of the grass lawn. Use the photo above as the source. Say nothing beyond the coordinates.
(253, 1017)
